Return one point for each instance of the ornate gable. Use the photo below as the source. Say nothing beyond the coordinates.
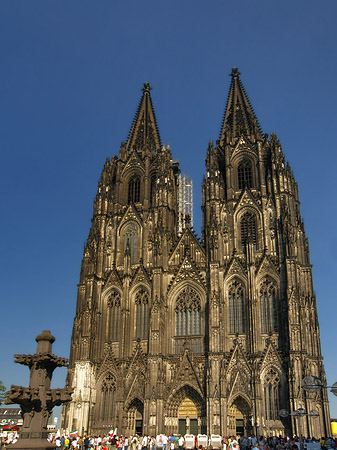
(109, 363)
(187, 271)
(138, 362)
(132, 162)
(135, 376)
(235, 268)
(243, 146)
(186, 374)
(136, 389)
(113, 279)
(188, 243)
(238, 373)
(245, 200)
(238, 361)
(266, 267)
(239, 384)
(271, 358)
(130, 214)
(141, 276)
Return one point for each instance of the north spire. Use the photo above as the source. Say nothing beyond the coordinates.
(239, 119)
(144, 134)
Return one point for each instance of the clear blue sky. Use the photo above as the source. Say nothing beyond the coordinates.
(70, 80)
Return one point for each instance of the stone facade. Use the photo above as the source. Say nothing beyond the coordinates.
(176, 335)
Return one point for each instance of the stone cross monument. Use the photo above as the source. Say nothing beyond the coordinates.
(38, 400)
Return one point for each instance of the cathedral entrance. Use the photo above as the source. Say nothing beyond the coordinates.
(135, 417)
(185, 412)
(239, 417)
(187, 417)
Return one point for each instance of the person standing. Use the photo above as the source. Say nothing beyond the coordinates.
(86, 443)
(134, 442)
(181, 442)
(144, 442)
(165, 441)
(66, 443)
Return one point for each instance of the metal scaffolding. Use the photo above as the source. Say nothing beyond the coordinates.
(185, 197)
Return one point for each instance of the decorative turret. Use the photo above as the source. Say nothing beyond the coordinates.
(38, 400)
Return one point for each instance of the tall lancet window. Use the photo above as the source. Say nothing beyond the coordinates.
(107, 396)
(131, 240)
(188, 313)
(142, 313)
(268, 307)
(248, 230)
(114, 306)
(245, 174)
(134, 190)
(272, 390)
(236, 305)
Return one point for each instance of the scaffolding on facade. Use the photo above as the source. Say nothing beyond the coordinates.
(185, 197)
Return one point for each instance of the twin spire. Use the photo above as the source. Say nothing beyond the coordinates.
(239, 119)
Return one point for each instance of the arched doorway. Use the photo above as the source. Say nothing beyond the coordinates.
(135, 417)
(239, 417)
(187, 417)
(185, 412)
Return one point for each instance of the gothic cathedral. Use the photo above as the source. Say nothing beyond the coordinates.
(177, 335)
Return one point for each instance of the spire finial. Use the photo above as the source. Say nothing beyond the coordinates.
(235, 72)
(147, 87)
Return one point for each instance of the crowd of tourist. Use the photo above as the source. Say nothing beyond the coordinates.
(178, 442)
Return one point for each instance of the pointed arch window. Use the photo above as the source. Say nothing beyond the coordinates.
(134, 190)
(268, 307)
(248, 230)
(188, 313)
(245, 178)
(107, 397)
(142, 313)
(271, 388)
(131, 240)
(114, 305)
(236, 305)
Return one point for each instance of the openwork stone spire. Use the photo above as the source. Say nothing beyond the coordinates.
(239, 119)
(144, 132)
